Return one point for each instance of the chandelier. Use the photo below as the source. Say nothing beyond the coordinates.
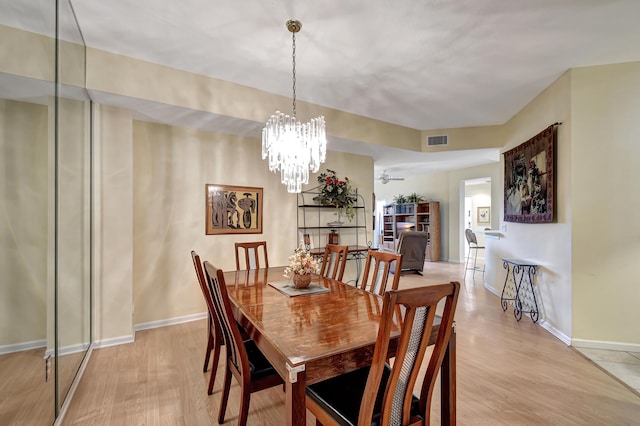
(293, 147)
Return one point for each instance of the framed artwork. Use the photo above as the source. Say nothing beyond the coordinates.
(484, 214)
(233, 209)
(529, 179)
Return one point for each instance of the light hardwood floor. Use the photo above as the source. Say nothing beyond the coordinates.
(26, 397)
(509, 373)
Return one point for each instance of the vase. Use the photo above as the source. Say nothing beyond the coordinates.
(301, 281)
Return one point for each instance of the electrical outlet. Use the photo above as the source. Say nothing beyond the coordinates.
(503, 227)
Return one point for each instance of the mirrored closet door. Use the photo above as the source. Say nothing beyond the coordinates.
(45, 209)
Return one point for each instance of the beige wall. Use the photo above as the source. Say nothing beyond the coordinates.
(27, 54)
(605, 200)
(153, 82)
(547, 244)
(171, 166)
(596, 106)
(586, 278)
(23, 206)
(73, 224)
(113, 231)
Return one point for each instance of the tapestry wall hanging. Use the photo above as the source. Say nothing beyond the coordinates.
(233, 209)
(529, 179)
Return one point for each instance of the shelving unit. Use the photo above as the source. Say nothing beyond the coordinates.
(423, 217)
(313, 220)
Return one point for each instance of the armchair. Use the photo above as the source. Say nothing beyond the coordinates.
(413, 248)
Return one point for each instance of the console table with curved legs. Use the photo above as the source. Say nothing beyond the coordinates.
(519, 269)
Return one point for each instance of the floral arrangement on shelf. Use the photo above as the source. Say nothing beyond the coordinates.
(301, 263)
(337, 192)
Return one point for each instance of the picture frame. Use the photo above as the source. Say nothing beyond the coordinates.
(484, 214)
(233, 209)
(529, 179)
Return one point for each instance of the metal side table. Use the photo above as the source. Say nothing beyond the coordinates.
(519, 269)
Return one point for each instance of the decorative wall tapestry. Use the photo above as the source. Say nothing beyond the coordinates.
(529, 179)
(233, 209)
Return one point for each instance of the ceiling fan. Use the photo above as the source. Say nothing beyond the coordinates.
(385, 178)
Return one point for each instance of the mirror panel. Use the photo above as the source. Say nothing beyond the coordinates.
(27, 92)
(45, 202)
(73, 203)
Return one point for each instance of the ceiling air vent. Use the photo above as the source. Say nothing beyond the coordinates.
(437, 140)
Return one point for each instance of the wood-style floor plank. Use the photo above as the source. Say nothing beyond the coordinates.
(509, 373)
(26, 396)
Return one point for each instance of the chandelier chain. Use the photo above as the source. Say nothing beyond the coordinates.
(294, 148)
(293, 56)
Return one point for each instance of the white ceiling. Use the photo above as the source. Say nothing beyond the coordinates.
(424, 64)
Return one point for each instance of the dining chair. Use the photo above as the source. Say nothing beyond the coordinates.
(244, 360)
(252, 254)
(381, 394)
(378, 266)
(473, 246)
(334, 261)
(215, 340)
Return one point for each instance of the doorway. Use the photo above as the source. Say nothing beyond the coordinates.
(477, 213)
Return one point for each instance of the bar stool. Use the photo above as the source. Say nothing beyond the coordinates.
(473, 246)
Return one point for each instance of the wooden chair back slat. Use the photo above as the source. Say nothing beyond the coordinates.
(251, 252)
(419, 313)
(334, 261)
(377, 270)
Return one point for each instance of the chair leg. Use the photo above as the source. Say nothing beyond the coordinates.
(208, 354)
(209, 345)
(466, 265)
(244, 406)
(225, 395)
(475, 259)
(214, 367)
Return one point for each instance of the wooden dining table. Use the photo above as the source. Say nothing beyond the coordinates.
(313, 337)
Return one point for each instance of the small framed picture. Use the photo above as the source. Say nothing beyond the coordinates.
(484, 214)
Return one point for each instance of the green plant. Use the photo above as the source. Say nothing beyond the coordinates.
(399, 199)
(415, 198)
(337, 192)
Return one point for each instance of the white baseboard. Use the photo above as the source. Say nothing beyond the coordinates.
(557, 333)
(560, 335)
(146, 326)
(114, 341)
(611, 346)
(66, 350)
(170, 321)
(491, 289)
(24, 346)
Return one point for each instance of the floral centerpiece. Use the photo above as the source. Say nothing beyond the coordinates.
(337, 192)
(301, 266)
